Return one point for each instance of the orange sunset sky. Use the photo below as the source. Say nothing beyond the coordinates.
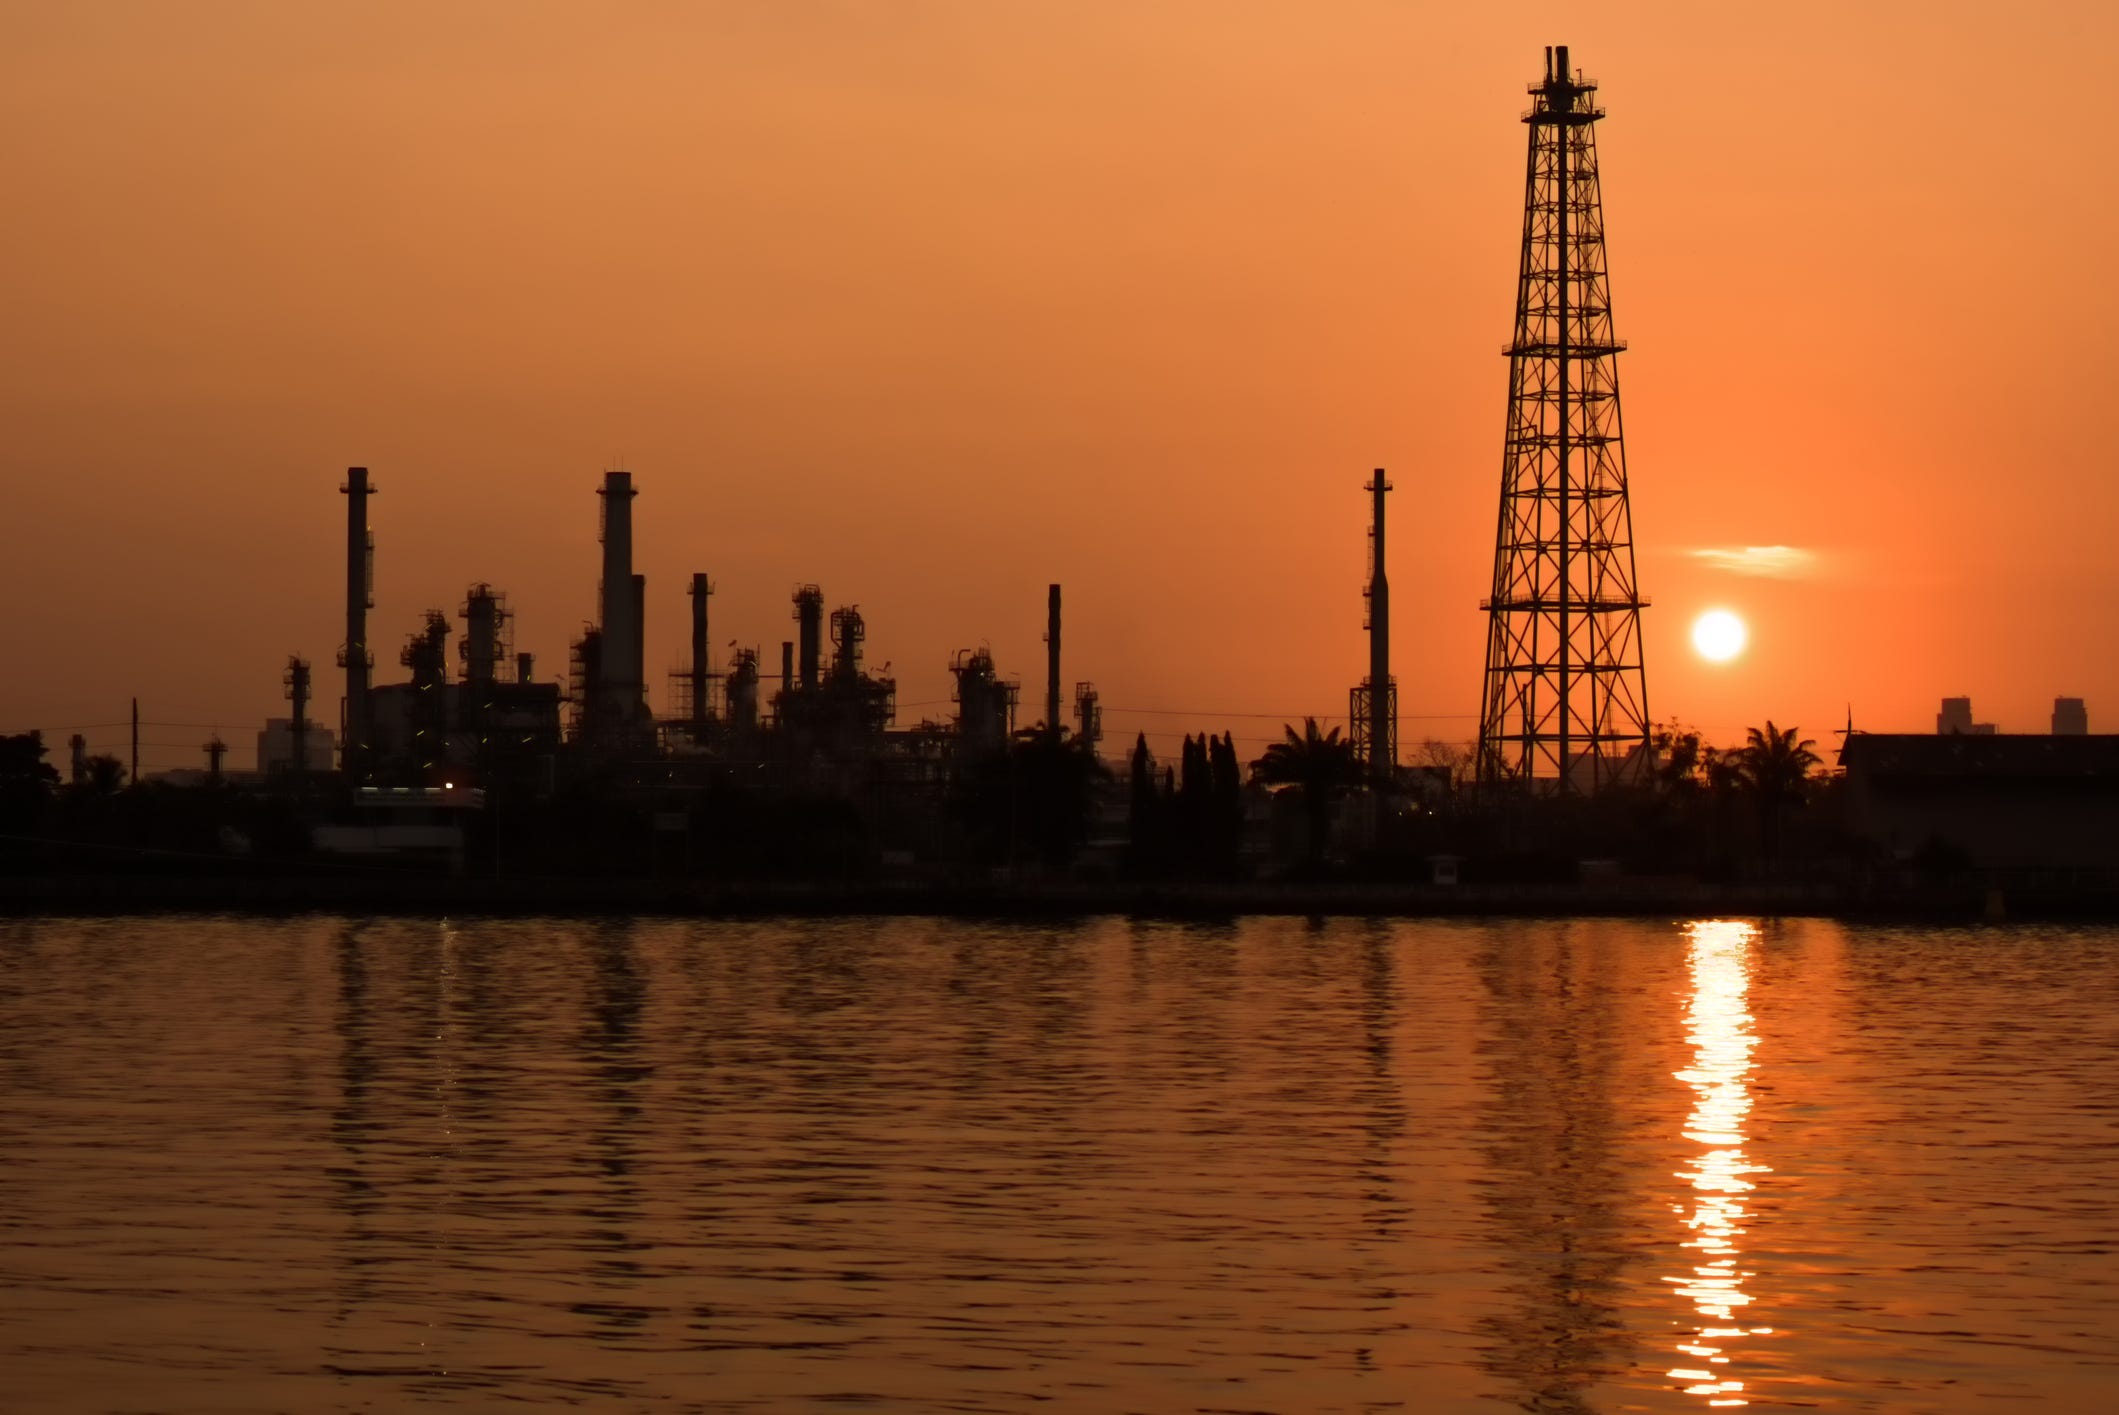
(933, 303)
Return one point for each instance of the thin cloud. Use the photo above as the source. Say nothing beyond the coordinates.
(1778, 562)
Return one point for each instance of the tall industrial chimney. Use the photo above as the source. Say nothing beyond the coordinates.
(787, 669)
(621, 672)
(1052, 662)
(357, 731)
(809, 621)
(1383, 700)
(702, 588)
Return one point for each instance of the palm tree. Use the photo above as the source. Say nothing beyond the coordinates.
(1318, 762)
(1774, 765)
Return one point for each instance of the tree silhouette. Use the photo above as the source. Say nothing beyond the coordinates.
(27, 781)
(1773, 765)
(106, 776)
(1320, 764)
(1680, 758)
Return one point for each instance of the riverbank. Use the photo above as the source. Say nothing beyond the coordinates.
(446, 896)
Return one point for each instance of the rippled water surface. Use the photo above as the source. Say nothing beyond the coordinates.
(931, 1166)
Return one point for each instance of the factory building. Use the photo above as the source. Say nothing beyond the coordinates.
(1994, 801)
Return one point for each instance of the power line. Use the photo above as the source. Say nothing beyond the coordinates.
(1286, 716)
(144, 722)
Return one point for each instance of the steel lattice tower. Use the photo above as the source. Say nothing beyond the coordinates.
(1564, 702)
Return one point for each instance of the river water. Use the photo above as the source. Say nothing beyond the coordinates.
(914, 1165)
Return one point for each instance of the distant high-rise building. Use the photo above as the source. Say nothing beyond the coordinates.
(1956, 716)
(2070, 718)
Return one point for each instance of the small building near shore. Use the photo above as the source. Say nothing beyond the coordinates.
(404, 823)
(2003, 801)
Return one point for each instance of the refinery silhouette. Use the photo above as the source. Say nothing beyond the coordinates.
(476, 765)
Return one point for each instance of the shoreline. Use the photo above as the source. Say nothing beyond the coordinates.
(22, 896)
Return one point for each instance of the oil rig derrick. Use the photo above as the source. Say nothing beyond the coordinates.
(1564, 697)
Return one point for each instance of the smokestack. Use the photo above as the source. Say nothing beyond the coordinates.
(356, 731)
(621, 673)
(298, 725)
(215, 750)
(524, 662)
(1382, 726)
(1052, 662)
(787, 667)
(809, 621)
(701, 589)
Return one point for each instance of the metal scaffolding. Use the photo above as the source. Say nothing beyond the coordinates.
(1564, 700)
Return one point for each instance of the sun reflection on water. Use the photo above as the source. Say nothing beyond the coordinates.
(1718, 1022)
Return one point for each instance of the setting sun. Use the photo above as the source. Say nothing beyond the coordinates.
(1719, 636)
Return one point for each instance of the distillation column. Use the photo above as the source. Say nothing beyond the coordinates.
(357, 731)
(809, 628)
(298, 725)
(1383, 692)
(702, 589)
(1052, 662)
(621, 683)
